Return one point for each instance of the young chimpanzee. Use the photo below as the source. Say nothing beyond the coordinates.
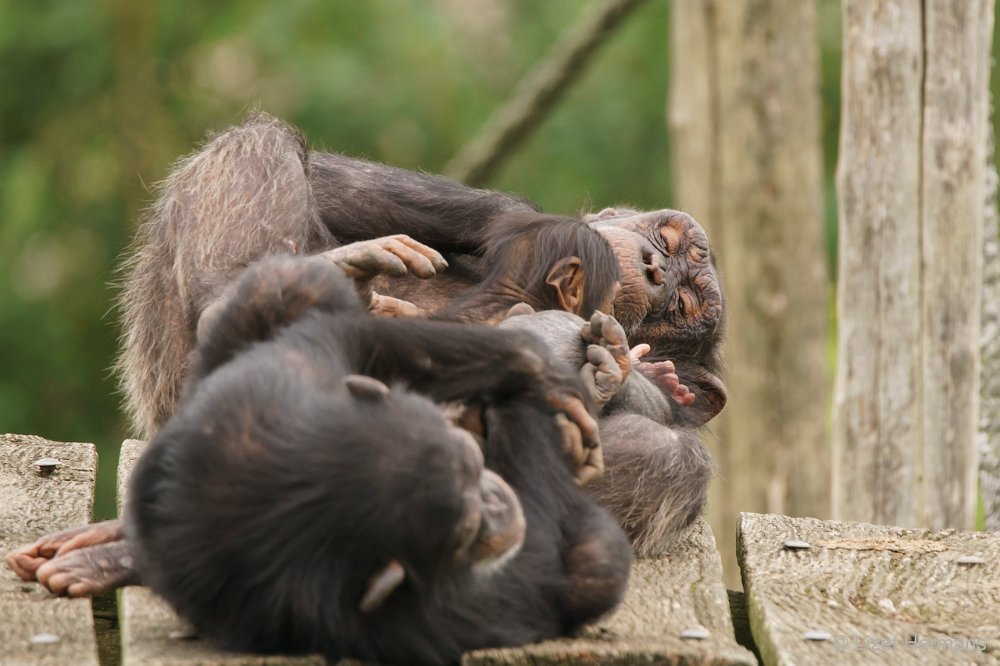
(293, 505)
(548, 262)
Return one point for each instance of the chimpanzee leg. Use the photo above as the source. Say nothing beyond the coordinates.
(472, 364)
(656, 481)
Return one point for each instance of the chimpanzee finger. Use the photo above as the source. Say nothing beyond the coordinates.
(593, 467)
(437, 261)
(637, 352)
(415, 262)
(572, 442)
(578, 414)
(612, 332)
(601, 374)
(389, 306)
(364, 259)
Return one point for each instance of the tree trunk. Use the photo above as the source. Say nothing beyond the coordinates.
(910, 187)
(745, 116)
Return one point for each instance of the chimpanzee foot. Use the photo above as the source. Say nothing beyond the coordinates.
(601, 374)
(664, 375)
(88, 571)
(26, 560)
(605, 331)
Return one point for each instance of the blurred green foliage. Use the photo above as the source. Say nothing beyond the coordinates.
(99, 97)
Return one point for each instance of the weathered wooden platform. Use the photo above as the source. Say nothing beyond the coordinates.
(868, 594)
(817, 592)
(36, 628)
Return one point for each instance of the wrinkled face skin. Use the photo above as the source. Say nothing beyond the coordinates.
(670, 296)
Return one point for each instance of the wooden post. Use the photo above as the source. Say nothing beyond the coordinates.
(989, 412)
(744, 116)
(910, 187)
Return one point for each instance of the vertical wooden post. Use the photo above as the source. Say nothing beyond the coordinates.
(910, 187)
(744, 114)
(989, 406)
(877, 397)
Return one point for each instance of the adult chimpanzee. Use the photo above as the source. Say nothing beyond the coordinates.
(292, 506)
(255, 191)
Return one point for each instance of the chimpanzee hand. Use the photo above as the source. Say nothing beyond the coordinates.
(580, 434)
(390, 255)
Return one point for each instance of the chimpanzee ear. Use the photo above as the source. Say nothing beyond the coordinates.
(566, 276)
(381, 585)
(366, 388)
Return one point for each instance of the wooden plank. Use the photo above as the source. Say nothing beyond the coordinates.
(152, 634)
(682, 590)
(880, 595)
(32, 505)
(666, 596)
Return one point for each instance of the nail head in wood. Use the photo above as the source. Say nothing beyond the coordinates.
(970, 560)
(183, 635)
(43, 639)
(696, 633)
(795, 544)
(816, 635)
(46, 465)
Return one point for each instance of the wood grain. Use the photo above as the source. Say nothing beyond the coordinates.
(883, 595)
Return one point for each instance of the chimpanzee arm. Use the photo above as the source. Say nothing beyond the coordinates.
(360, 200)
(448, 361)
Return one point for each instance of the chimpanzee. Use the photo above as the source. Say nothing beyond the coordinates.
(545, 262)
(255, 191)
(667, 491)
(292, 505)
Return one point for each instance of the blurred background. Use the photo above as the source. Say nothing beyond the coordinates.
(100, 97)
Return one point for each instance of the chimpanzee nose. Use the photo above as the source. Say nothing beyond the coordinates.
(654, 267)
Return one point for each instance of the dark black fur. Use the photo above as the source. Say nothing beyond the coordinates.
(266, 502)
